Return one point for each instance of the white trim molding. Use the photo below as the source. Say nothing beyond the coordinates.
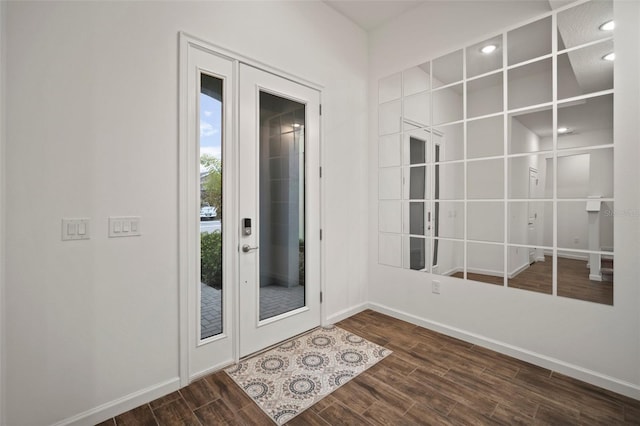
(589, 376)
(117, 406)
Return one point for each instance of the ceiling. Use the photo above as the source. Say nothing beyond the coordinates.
(369, 14)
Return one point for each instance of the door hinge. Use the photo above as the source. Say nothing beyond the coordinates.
(321, 234)
(320, 297)
(320, 109)
(320, 171)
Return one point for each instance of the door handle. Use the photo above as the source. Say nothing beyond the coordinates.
(247, 248)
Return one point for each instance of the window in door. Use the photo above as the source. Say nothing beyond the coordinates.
(211, 287)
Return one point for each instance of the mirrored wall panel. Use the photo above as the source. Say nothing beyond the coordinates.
(496, 160)
(448, 143)
(485, 137)
(530, 41)
(530, 223)
(485, 263)
(484, 57)
(586, 276)
(415, 253)
(586, 122)
(530, 269)
(447, 69)
(447, 258)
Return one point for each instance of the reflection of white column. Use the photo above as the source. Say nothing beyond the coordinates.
(593, 210)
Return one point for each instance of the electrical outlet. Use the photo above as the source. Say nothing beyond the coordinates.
(435, 287)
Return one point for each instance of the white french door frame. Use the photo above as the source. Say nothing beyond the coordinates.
(187, 220)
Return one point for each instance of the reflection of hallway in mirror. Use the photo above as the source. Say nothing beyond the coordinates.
(573, 280)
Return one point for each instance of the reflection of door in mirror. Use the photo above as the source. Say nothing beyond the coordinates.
(532, 213)
(436, 196)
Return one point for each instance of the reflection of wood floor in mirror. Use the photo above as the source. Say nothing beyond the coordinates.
(573, 280)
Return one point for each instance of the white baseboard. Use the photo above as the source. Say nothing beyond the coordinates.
(207, 371)
(595, 277)
(607, 382)
(518, 270)
(121, 405)
(346, 313)
(489, 272)
(452, 271)
(574, 256)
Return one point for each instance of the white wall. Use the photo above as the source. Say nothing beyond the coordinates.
(2, 212)
(597, 343)
(92, 103)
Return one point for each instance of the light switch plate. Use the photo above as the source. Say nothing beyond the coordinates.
(75, 229)
(124, 226)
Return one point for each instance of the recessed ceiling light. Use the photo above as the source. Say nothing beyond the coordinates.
(489, 48)
(296, 125)
(607, 26)
(563, 130)
(609, 56)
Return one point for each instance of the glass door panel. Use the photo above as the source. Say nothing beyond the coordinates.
(282, 213)
(210, 125)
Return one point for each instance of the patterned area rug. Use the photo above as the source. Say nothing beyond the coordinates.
(291, 377)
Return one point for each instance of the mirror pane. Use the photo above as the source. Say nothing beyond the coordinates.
(413, 219)
(389, 150)
(485, 95)
(585, 173)
(448, 258)
(447, 104)
(485, 137)
(581, 24)
(485, 221)
(415, 149)
(586, 122)
(389, 183)
(447, 219)
(448, 181)
(485, 179)
(585, 225)
(530, 269)
(389, 216)
(586, 276)
(417, 109)
(447, 69)
(530, 84)
(390, 249)
(415, 253)
(389, 118)
(485, 263)
(415, 182)
(530, 177)
(585, 70)
(530, 41)
(389, 88)
(479, 62)
(448, 142)
(416, 79)
(531, 223)
(531, 131)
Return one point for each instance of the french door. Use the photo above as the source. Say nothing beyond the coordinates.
(249, 209)
(279, 253)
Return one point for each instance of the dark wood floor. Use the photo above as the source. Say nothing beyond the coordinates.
(573, 280)
(429, 379)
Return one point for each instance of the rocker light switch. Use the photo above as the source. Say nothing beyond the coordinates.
(75, 229)
(124, 226)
